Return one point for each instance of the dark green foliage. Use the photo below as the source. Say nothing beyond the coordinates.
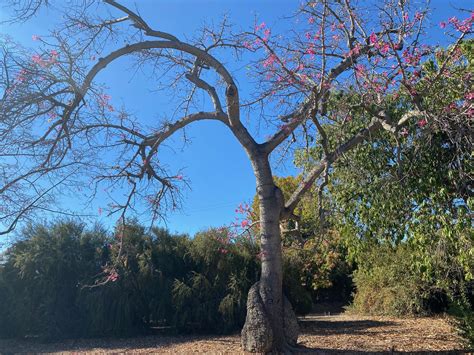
(403, 201)
(41, 278)
(213, 296)
(464, 321)
(294, 288)
(52, 281)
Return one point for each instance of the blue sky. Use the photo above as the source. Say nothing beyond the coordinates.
(220, 173)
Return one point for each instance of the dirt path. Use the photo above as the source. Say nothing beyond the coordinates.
(341, 334)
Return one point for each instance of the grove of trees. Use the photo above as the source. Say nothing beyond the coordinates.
(379, 121)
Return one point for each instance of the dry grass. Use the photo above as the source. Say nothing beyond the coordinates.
(340, 334)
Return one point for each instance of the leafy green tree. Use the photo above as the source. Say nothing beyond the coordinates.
(403, 203)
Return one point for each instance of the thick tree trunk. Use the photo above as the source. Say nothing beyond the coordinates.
(270, 324)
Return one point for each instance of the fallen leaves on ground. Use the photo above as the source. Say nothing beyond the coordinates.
(337, 334)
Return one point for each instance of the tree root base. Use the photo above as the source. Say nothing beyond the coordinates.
(257, 333)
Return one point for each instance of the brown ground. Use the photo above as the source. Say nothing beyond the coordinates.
(340, 334)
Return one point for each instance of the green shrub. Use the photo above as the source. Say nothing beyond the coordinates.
(42, 277)
(213, 296)
(464, 321)
(386, 284)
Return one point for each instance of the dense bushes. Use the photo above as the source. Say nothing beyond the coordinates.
(213, 295)
(387, 284)
(41, 279)
(52, 282)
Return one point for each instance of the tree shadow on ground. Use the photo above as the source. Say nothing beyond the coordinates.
(15, 346)
(331, 327)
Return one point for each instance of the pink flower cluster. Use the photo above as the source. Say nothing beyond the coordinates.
(411, 57)
(112, 275)
(270, 61)
(463, 26)
(422, 123)
(243, 208)
(39, 60)
(104, 102)
(223, 251)
(354, 51)
(260, 27)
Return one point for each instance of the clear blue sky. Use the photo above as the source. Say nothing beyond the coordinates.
(220, 173)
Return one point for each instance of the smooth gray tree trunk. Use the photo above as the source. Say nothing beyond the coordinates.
(270, 324)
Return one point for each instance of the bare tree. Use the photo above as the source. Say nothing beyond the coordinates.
(56, 121)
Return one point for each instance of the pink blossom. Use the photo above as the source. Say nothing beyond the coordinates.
(404, 132)
(410, 58)
(311, 20)
(259, 27)
(99, 210)
(469, 96)
(373, 38)
(269, 61)
(21, 76)
(418, 16)
(179, 177)
(113, 276)
(244, 223)
(385, 48)
(422, 123)
(104, 100)
(452, 106)
(355, 51)
(266, 34)
(464, 26)
(310, 50)
(247, 45)
(36, 58)
(359, 68)
(442, 24)
(35, 37)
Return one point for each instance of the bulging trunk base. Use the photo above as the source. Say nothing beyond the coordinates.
(258, 334)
